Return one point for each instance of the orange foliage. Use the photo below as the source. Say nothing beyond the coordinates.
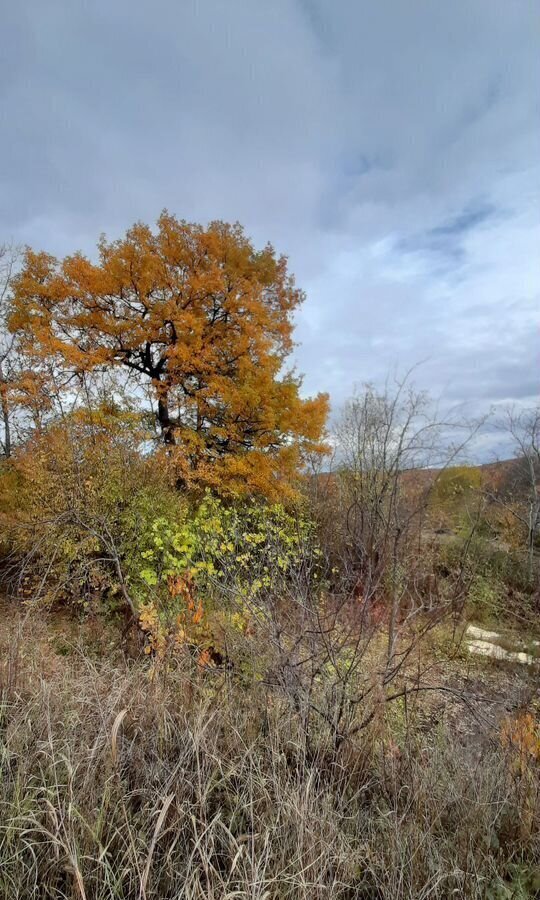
(205, 321)
(521, 735)
(205, 660)
(183, 586)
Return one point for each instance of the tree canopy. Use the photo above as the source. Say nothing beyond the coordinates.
(203, 322)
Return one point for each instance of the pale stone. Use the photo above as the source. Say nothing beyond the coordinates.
(485, 648)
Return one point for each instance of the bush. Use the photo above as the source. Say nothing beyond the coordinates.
(95, 523)
(215, 558)
(496, 578)
(486, 598)
(72, 507)
(454, 493)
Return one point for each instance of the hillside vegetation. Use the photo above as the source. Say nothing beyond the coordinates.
(232, 664)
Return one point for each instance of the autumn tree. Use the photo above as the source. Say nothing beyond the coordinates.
(203, 322)
(8, 257)
(27, 384)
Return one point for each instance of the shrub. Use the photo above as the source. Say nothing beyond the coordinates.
(216, 557)
(454, 490)
(72, 506)
(93, 522)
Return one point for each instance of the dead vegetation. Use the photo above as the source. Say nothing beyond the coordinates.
(117, 785)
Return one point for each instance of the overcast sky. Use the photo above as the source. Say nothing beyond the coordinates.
(391, 148)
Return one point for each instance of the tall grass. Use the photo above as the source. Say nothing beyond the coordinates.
(114, 785)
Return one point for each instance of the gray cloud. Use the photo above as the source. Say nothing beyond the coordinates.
(445, 242)
(392, 150)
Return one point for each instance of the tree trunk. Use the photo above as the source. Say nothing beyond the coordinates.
(166, 424)
(5, 419)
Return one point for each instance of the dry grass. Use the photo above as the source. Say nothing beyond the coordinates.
(114, 785)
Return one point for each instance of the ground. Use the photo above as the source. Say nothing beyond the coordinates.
(472, 693)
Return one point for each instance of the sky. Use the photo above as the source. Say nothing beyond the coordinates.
(390, 148)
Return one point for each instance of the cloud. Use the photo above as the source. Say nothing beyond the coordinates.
(445, 242)
(392, 151)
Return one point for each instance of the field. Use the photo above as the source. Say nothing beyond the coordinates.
(191, 784)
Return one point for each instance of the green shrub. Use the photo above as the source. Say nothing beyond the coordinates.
(486, 598)
(214, 556)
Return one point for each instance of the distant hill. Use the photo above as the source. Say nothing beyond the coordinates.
(498, 476)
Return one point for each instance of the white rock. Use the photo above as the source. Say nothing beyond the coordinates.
(485, 648)
(482, 634)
